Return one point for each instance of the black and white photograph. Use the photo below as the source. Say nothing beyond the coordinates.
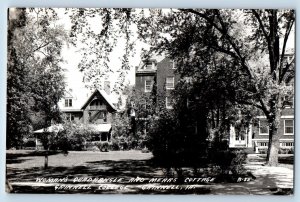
(180, 101)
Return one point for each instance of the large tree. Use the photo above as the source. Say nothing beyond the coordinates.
(250, 39)
(254, 42)
(35, 80)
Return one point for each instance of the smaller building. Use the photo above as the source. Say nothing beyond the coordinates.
(97, 112)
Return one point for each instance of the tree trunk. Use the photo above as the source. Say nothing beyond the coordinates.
(274, 144)
(46, 161)
(272, 155)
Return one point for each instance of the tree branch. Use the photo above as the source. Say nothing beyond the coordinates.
(238, 54)
(286, 36)
(256, 15)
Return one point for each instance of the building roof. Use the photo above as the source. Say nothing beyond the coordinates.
(100, 127)
(104, 95)
(141, 68)
(50, 129)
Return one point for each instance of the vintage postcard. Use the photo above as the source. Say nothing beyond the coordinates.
(150, 101)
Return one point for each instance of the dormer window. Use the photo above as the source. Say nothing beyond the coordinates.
(149, 65)
(68, 102)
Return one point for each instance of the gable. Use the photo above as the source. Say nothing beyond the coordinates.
(101, 96)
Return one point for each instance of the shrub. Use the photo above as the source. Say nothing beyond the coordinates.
(222, 158)
(286, 151)
(237, 163)
(103, 146)
(29, 143)
(113, 145)
(262, 151)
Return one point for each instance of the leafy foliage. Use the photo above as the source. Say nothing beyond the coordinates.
(34, 73)
(240, 50)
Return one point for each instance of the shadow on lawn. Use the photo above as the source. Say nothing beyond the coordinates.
(13, 158)
(126, 169)
(102, 169)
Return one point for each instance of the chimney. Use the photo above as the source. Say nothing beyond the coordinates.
(107, 87)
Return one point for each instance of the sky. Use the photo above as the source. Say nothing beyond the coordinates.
(72, 57)
(133, 3)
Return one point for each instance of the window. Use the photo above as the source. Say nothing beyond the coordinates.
(263, 127)
(289, 127)
(169, 103)
(148, 85)
(170, 82)
(68, 102)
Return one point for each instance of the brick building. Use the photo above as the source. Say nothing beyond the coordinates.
(162, 74)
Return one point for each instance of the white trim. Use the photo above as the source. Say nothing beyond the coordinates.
(287, 139)
(284, 133)
(287, 117)
(260, 139)
(268, 139)
(282, 117)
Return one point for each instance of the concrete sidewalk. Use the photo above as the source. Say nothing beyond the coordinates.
(268, 180)
(281, 176)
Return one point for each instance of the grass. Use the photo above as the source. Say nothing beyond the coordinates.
(26, 166)
(29, 159)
